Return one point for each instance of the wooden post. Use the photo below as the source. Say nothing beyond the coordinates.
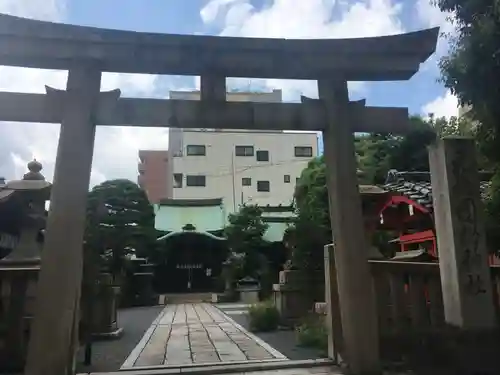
(458, 212)
(55, 326)
(356, 296)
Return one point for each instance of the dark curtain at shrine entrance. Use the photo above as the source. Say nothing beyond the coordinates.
(191, 262)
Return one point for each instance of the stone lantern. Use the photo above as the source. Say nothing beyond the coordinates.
(28, 199)
(22, 219)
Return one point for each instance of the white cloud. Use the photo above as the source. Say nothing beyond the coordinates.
(47, 10)
(213, 9)
(301, 19)
(443, 106)
(115, 153)
(429, 15)
(116, 148)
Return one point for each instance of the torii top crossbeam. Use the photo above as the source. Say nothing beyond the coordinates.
(47, 45)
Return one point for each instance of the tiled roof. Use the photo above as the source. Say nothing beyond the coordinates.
(417, 186)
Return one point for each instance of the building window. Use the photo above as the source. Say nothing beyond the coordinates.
(243, 150)
(303, 151)
(297, 180)
(198, 180)
(246, 181)
(262, 155)
(196, 150)
(177, 180)
(286, 179)
(263, 186)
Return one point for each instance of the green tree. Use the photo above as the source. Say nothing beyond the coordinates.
(245, 235)
(120, 221)
(378, 153)
(373, 152)
(461, 126)
(311, 230)
(311, 196)
(471, 70)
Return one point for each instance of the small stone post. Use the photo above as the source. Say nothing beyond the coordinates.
(458, 211)
(333, 318)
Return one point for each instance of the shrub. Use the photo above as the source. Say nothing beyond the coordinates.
(264, 317)
(312, 333)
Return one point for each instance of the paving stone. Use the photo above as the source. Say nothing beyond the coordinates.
(198, 333)
(154, 351)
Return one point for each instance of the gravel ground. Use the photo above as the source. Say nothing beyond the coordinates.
(110, 355)
(283, 341)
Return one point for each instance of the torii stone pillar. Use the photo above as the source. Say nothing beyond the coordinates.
(356, 296)
(463, 256)
(60, 281)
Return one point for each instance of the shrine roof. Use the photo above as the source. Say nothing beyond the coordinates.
(47, 45)
(371, 189)
(190, 233)
(416, 185)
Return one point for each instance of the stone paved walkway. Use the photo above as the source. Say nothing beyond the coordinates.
(200, 333)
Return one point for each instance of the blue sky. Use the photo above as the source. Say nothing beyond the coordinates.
(248, 18)
(183, 17)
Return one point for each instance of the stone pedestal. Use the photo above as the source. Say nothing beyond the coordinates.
(291, 297)
(249, 296)
(104, 317)
(463, 258)
(17, 293)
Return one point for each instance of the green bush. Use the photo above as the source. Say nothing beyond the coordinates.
(264, 317)
(312, 333)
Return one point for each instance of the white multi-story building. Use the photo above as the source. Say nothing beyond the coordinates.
(258, 167)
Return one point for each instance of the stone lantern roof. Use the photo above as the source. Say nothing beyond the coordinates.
(33, 181)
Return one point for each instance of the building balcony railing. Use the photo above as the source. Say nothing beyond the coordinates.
(141, 167)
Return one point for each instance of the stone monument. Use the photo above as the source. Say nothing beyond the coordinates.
(463, 256)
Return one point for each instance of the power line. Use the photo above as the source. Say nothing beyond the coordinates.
(250, 167)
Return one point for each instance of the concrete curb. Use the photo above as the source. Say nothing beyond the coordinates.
(227, 368)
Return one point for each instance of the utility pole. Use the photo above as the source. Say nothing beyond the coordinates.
(233, 175)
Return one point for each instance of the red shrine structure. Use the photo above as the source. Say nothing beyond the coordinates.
(407, 209)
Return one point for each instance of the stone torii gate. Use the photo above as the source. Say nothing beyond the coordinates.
(87, 52)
